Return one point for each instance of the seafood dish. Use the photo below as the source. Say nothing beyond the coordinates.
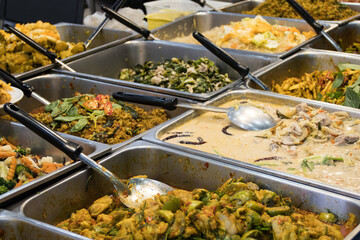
(194, 76)
(18, 57)
(339, 87)
(236, 210)
(19, 166)
(306, 141)
(318, 9)
(253, 34)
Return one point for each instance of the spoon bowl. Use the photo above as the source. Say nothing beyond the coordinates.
(246, 117)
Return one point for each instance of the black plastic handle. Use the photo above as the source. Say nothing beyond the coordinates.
(318, 27)
(52, 56)
(9, 78)
(224, 56)
(167, 103)
(71, 149)
(200, 2)
(127, 22)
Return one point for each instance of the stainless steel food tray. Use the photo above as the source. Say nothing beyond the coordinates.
(16, 226)
(56, 86)
(305, 61)
(137, 52)
(204, 21)
(261, 96)
(249, 5)
(345, 35)
(20, 135)
(71, 32)
(177, 168)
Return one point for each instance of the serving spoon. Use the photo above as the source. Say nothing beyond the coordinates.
(246, 117)
(224, 56)
(316, 25)
(131, 195)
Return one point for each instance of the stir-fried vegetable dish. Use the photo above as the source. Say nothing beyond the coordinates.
(318, 9)
(254, 34)
(353, 48)
(338, 87)
(194, 76)
(17, 57)
(4, 92)
(19, 166)
(236, 211)
(99, 117)
(306, 141)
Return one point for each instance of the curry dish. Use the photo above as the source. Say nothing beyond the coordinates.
(19, 166)
(306, 141)
(339, 87)
(253, 34)
(318, 9)
(236, 211)
(17, 57)
(4, 92)
(99, 118)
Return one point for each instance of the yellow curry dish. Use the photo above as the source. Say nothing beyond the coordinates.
(4, 92)
(318, 9)
(235, 211)
(340, 86)
(306, 141)
(17, 57)
(253, 34)
(98, 117)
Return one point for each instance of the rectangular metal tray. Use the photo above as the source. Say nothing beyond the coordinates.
(305, 61)
(131, 53)
(263, 96)
(20, 135)
(57, 86)
(71, 32)
(16, 226)
(204, 21)
(345, 35)
(249, 5)
(176, 168)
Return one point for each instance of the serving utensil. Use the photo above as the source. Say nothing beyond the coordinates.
(131, 195)
(203, 3)
(29, 91)
(51, 55)
(220, 53)
(246, 117)
(116, 6)
(316, 25)
(130, 24)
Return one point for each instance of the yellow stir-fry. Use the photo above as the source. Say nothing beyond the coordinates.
(339, 87)
(236, 211)
(4, 92)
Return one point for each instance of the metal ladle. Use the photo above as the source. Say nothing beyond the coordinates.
(246, 117)
(131, 195)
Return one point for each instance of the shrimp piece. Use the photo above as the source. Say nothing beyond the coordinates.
(12, 168)
(7, 154)
(29, 164)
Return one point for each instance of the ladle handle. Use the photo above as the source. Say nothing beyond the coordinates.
(127, 22)
(167, 103)
(242, 70)
(51, 55)
(9, 78)
(318, 27)
(71, 149)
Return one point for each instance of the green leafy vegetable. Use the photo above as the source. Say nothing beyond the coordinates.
(343, 66)
(79, 125)
(338, 80)
(352, 99)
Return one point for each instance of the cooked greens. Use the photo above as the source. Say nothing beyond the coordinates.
(194, 76)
